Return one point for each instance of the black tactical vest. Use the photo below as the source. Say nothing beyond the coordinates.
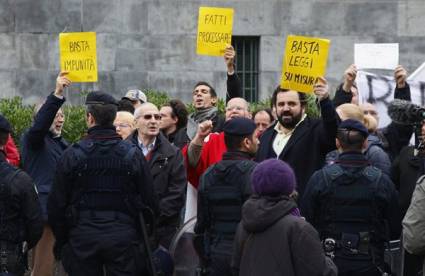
(11, 222)
(349, 210)
(104, 175)
(224, 185)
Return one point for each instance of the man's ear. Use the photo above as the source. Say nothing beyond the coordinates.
(246, 143)
(175, 118)
(249, 115)
(303, 107)
(214, 100)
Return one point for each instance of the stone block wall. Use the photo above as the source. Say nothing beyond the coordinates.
(152, 43)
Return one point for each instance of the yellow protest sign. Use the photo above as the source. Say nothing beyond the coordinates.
(78, 56)
(214, 30)
(304, 61)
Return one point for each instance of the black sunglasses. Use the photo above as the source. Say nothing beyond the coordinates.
(149, 116)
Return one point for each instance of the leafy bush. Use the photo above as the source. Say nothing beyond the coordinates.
(158, 98)
(75, 123)
(17, 114)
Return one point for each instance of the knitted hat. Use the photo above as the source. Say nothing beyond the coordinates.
(273, 177)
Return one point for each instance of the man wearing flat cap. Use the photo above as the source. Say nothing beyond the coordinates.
(136, 97)
(224, 187)
(350, 203)
(20, 212)
(102, 184)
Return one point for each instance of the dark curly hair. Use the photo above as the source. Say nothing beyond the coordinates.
(179, 110)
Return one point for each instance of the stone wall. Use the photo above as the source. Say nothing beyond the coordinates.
(152, 43)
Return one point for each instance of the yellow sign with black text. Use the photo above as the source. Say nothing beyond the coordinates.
(304, 61)
(214, 30)
(78, 56)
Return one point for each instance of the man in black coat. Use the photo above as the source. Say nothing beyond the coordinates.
(42, 146)
(295, 138)
(20, 213)
(166, 165)
(102, 185)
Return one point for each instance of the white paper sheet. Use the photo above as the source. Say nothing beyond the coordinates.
(376, 55)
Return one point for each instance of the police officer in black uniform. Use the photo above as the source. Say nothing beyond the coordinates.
(350, 203)
(21, 223)
(224, 187)
(102, 184)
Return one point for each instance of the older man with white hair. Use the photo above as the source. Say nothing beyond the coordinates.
(167, 169)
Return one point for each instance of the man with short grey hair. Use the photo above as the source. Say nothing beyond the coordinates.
(167, 168)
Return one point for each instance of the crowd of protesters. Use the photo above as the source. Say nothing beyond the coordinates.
(279, 192)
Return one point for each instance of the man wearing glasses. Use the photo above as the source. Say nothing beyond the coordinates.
(167, 169)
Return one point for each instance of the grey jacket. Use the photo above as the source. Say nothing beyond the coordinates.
(271, 241)
(414, 222)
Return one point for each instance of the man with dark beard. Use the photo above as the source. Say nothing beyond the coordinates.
(295, 138)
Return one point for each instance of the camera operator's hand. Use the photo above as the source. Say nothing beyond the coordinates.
(400, 76)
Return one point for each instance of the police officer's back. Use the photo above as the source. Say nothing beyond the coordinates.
(224, 187)
(21, 223)
(101, 185)
(350, 203)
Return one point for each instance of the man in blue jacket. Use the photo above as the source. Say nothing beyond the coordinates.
(42, 146)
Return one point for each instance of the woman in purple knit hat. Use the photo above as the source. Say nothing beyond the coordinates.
(272, 238)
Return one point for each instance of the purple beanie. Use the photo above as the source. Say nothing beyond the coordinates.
(273, 177)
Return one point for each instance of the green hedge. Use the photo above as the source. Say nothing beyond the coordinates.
(20, 115)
